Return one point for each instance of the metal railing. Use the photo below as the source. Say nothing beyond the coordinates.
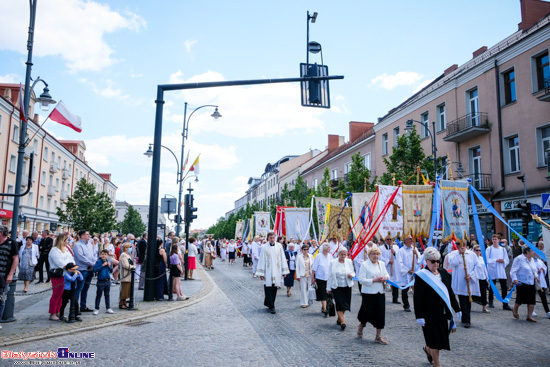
(478, 119)
(547, 85)
(481, 181)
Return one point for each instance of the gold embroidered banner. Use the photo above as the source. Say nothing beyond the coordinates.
(321, 207)
(338, 222)
(417, 209)
(239, 228)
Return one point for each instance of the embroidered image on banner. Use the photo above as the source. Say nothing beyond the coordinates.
(262, 223)
(239, 229)
(454, 195)
(338, 222)
(321, 206)
(297, 223)
(417, 209)
(392, 222)
(360, 200)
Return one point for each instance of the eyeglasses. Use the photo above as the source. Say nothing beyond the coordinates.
(434, 261)
(477, 250)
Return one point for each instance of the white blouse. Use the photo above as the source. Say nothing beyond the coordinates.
(368, 272)
(523, 270)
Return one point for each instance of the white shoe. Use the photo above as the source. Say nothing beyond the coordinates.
(534, 314)
(548, 315)
(95, 312)
(110, 311)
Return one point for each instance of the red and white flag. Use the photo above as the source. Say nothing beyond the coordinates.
(21, 110)
(63, 116)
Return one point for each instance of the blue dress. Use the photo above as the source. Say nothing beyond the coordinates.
(26, 269)
(291, 261)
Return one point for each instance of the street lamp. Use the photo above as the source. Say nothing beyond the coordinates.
(409, 128)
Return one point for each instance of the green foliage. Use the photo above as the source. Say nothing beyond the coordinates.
(359, 176)
(132, 222)
(323, 187)
(87, 209)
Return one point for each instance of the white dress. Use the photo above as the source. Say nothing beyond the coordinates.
(272, 264)
(458, 282)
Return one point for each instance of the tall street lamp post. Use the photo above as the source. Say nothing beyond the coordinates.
(409, 128)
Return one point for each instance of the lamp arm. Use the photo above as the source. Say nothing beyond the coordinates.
(186, 123)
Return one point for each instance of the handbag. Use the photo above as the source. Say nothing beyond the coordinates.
(311, 296)
(55, 273)
(331, 309)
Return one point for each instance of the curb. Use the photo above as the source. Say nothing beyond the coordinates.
(205, 291)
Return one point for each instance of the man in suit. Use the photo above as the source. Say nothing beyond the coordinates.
(44, 247)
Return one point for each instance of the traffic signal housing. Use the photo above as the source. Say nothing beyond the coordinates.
(189, 209)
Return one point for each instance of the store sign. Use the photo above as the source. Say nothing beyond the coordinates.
(481, 209)
(510, 205)
(4, 213)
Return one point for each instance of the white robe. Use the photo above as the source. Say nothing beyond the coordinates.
(393, 273)
(272, 264)
(497, 270)
(481, 269)
(359, 259)
(541, 272)
(405, 263)
(458, 282)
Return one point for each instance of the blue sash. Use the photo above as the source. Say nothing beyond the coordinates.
(427, 276)
(410, 284)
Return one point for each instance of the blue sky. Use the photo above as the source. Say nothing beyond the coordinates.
(105, 58)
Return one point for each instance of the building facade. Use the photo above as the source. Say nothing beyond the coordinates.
(57, 167)
(121, 207)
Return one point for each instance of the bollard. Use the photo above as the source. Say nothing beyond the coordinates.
(9, 303)
(131, 302)
(72, 304)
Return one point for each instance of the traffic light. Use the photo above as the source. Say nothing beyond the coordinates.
(189, 209)
(525, 207)
(314, 85)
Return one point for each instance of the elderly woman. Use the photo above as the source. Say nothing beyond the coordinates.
(208, 251)
(28, 258)
(433, 300)
(524, 275)
(290, 255)
(126, 265)
(340, 282)
(319, 275)
(304, 262)
(372, 275)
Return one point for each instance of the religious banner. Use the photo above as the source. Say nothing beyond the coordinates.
(280, 223)
(392, 222)
(262, 223)
(297, 223)
(239, 229)
(321, 206)
(454, 195)
(338, 225)
(417, 209)
(360, 208)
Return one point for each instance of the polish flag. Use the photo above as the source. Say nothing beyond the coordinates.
(63, 116)
(21, 111)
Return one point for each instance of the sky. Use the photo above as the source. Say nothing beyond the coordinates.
(104, 59)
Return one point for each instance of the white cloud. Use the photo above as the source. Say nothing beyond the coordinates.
(247, 111)
(10, 78)
(189, 44)
(111, 91)
(72, 29)
(391, 81)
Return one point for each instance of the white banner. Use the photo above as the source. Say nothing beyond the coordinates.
(262, 223)
(297, 223)
(454, 195)
(359, 200)
(392, 222)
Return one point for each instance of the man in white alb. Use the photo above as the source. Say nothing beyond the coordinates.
(408, 260)
(272, 266)
(497, 260)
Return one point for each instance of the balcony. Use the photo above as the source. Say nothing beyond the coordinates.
(481, 182)
(546, 96)
(24, 180)
(467, 127)
(64, 195)
(51, 190)
(66, 174)
(53, 167)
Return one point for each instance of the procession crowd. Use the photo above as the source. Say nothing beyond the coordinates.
(436, 276)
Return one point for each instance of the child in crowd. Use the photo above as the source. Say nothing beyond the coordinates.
(70, 276)
(103, 268)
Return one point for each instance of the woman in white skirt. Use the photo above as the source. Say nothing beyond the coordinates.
(304, 261)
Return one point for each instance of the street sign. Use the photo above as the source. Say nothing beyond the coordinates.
(536, 209)
(168, 205)
(314, 93)
(517, 225)
(545, 203)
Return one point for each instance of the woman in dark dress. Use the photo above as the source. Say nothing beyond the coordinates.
(161, 262)
(431, 311)
(290, 255)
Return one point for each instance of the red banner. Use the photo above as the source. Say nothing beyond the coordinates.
(4, 213)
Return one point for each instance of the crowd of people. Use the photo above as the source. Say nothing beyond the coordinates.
(445, 279)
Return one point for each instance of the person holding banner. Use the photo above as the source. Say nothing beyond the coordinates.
(434, 302)
(463, 263)
(497, 260)
(389, 251)
(304, 263)
(255, 251)
(408, 259)
(272, 267)
(340, 283)
(524, 275)
(481, 273)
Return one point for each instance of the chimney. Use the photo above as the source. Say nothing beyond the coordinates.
(479, 51)
(356, 129)
(7, 94)
(531, 12)
(450, 69)
(333, 142)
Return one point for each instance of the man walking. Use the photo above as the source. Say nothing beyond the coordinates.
(271, 268)
(9, 259)
(85, 259)
(44, 247)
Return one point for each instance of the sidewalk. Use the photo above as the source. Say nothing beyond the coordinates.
(31, 312)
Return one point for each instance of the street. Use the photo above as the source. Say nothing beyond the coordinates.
(231, 328)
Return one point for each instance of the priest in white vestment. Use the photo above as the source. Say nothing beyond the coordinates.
(272, 266)
(497, 260)
(408, 260)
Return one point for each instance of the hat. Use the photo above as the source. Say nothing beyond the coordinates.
(71, 266)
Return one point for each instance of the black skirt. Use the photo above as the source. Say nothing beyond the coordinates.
(321, 291)
(342, 298)
(436, 333)
(232, 255)
(289, 279)
(526, 294)
(373, 310)
(174, 271)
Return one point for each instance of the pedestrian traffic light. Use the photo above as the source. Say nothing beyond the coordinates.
(189, 209)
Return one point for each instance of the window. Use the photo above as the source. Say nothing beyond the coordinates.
(46, 154)
(55, 205)
(425, 119)
(53, 157)
(10, 191)
(35, 147)
(385, 144)
(29, 200)
(347, 168)
(43, 178)
(366, 161)
(34, 173)
(57, 183)
(475, 166)
(64, 164)
(49, 204)
(41, 202)
(473, 107)
(441, 117)
(543, 139)
(395, 135)
(511, 147)
(509, 86)
(334, 174)
(542, 68)
(15, 136)
(51, 180)
(13, 163)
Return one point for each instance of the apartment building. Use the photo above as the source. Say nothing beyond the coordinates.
(491, 116)
(121, 207)
(290, 170)
(57, 167)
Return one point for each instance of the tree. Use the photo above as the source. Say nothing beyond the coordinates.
(87, 209)
(323, 187)
(300, 193)
(358, 175)
(132, 222)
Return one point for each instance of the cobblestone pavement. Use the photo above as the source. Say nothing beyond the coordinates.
(230, 327)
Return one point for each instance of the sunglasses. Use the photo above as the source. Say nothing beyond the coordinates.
(477, 250)
(434, 261)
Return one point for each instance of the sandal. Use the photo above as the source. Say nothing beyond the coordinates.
(428, 355)
(380, 340)
(122, 307)
(360, 331)
(515, 314)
